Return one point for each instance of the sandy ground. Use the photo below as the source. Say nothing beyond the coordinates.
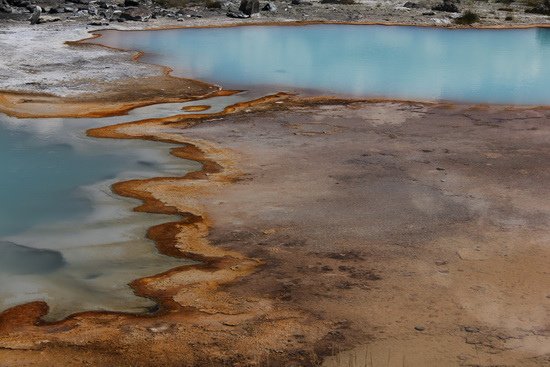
(415, 233)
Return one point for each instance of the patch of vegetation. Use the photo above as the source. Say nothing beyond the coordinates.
(538, 7)
(506, 2)
(509, 18)
(532, 3)
(469, 17)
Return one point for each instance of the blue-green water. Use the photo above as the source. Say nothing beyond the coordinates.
(468, 65)
(65, 238)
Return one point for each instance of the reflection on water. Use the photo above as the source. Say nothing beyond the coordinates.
(65, 238)
(543, 36)
(500, 66)
(22, 260)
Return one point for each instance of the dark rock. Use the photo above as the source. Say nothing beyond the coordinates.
(428, 13)
(446, 6)
(237, 14)
(250, 7)
(131, 3)
(5, 7)
(270, 7)
(419, 328)
(140, 14)
(411, 5)
(35, 17)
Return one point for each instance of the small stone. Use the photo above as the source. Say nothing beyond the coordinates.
(441, 262)
(159, 328)
(270, 7)
(419, 328)
(471, 329)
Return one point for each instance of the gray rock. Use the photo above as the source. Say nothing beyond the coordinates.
(92, 10)
(35, 17)
(419, 328)
(270, 7)
(250, 7)
(98, 23)
(141, 14)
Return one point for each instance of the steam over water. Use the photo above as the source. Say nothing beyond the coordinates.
(495, 66)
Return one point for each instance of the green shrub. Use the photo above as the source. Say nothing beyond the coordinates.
(509, 18)
(469, 17)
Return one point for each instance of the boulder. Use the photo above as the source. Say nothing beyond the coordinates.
(250, 7)
(35, 17)
(140, 14)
